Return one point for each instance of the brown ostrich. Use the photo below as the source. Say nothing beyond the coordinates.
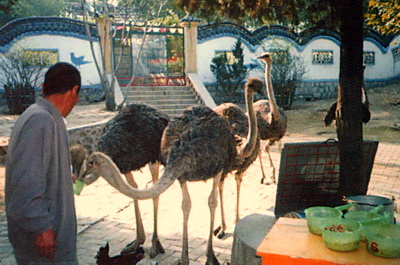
(196, 146)
(239, 122)
(272, 121)
(78, 156)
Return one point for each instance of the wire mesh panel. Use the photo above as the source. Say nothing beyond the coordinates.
(153, 55)
(309, 175)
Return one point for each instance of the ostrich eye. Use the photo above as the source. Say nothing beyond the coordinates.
(91, 163)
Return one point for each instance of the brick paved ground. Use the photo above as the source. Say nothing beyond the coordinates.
(106, 215)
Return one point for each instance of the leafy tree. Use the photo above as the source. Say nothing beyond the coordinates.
(5, 11)
(230, 71)
(35, 8)
(384, 16)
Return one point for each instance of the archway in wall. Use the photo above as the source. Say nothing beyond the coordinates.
(154, 56)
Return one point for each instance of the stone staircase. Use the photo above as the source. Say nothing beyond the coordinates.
(172, 100)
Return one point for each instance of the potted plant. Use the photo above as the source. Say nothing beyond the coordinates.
(19, 75)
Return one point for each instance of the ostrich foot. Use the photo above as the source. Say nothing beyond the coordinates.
(212, 260)
(131, 247)
(219, 232)
(180, 262)
(156, 249)
(263, 181)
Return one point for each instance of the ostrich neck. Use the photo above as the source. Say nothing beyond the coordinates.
(270, 92)
(252, 135)
(113, 176)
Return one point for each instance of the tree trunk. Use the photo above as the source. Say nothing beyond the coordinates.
(349, 109)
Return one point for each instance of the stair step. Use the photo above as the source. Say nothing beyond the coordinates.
(158, 88)
(172, 100)
(158, 101)
(154, 95)
(159, 93)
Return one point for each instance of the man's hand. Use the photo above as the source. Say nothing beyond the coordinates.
(46, 243)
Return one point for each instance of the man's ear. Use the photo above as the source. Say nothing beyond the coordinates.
(76, 89)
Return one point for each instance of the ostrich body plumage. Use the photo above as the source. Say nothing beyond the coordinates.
(238, 121)
(269, 128)
(198, 144)
(132, 138)
(330, 115)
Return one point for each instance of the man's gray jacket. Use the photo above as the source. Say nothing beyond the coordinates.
(39, 193)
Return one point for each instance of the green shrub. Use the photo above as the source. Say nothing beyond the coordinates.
(229, 70)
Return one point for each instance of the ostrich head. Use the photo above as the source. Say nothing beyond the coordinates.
(266, 57)
(97, 164)
(78, 156)
(256, 85)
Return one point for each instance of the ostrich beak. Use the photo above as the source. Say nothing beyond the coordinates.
(264, 55)
(88, 178)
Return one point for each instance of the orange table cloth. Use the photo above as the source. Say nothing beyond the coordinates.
(290, 243)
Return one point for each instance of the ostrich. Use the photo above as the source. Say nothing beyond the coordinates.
(330, 115)
(78, 155)
(272, 121)
(238, 121)
(196, 146)
(132, 140)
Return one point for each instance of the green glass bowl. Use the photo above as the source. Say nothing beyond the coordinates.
(367, 219)
(383, 240)
(341, 234)
(317, 215)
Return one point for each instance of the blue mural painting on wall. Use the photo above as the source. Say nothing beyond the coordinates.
(78, 61)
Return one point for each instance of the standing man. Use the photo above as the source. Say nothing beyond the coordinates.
(40, 204)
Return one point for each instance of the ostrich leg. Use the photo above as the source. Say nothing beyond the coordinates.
(238, 178)
(263, 178)
(186, 206)
(220, 230)
(140, 235)
(212, 204)
(156, 246)
(267, 146)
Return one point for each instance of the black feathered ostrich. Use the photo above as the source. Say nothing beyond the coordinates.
(272, 121)
(132, 140)
(330, 115)
(239, 122)
(196, 146)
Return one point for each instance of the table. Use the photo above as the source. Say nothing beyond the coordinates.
(290, 243)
